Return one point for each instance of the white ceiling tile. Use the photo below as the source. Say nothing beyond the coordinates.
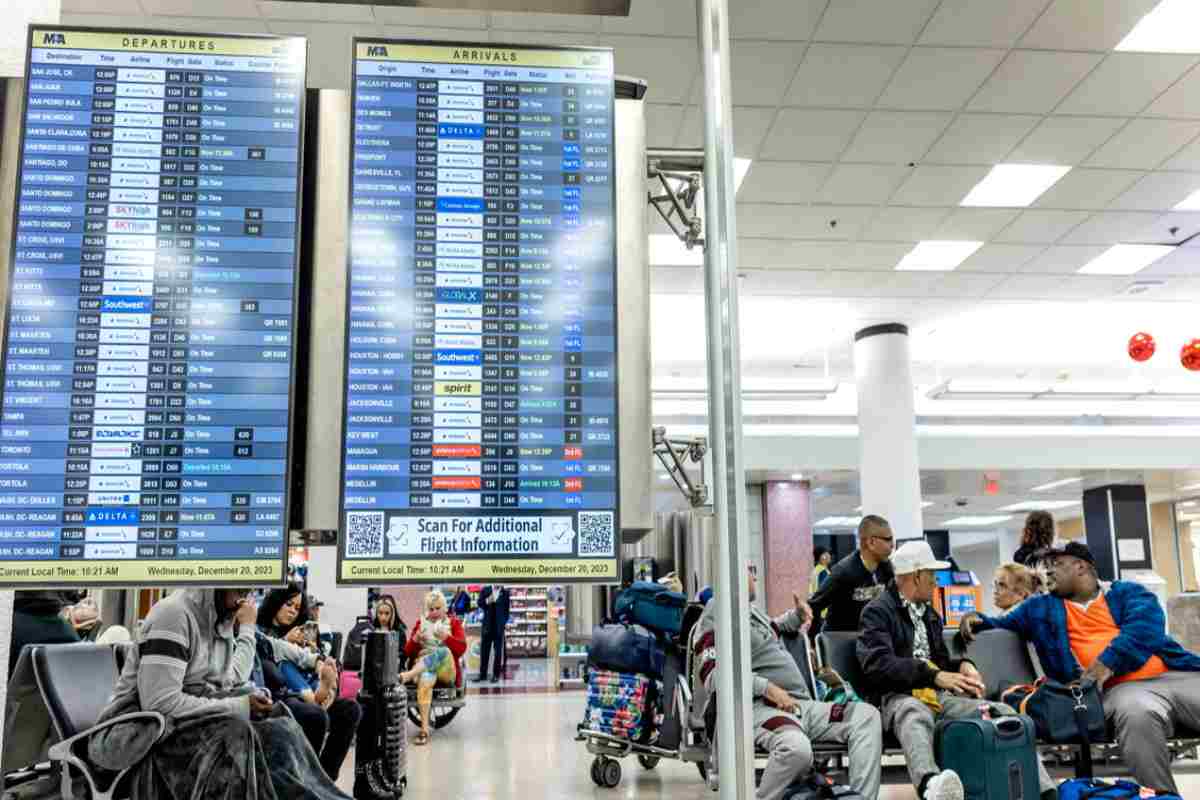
(862, 183)
(1063, 259)
(138, 21)
(669, 64)
(936, 185)
(1185, 225)
(1184, 261)
(872, 255)
(808, 283)
(1158, 191)
(677, 280)
(843, 75)
(1060, 287)
(209, 8)
(1144, 144)
(660, 18)
(1086, 24)
(1181, 100)
(112, 8)
(1041, 227)
(1065, 140)
(893, 22)
(812, 135)
(550, 39)
(976, 224)
(423, 34)
(662, 124)
(430, 18)
(961, 284)
(750, 125)
(1084, 188)
(981, 23)
(774, 253)
(761, 71)
(939, 78)
(894, 224)
(316, 12)
(1125, 83)
(896, 137)
(1000, 258)
(981, 138)
(800, 222)
(1111, 227)
(782, 182)
(773, 19)
(1186, 159)
(568, 23)
(1030, 81)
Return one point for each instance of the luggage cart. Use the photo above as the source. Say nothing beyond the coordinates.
(610, 749)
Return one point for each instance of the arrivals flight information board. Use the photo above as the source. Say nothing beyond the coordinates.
(480, 438)
(149, 352)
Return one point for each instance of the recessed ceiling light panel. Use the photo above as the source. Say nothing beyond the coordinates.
(1173, 26)
(937, 255)
(1014, 185)
(1125, 259)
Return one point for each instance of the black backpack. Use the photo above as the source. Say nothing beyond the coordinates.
(353, 655)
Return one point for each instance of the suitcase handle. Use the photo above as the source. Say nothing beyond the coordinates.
(1009, 727)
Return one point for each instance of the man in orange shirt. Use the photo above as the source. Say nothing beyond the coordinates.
(1117, 637)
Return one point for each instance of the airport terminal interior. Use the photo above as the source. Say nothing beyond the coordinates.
(600, 398)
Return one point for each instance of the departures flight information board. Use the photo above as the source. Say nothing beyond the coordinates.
(480, 437)
(149, 353)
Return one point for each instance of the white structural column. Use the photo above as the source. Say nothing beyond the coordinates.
(887, 437)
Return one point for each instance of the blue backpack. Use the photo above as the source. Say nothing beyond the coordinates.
(652, 606)
(1090, 789)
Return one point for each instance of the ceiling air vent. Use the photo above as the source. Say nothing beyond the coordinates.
(1143, 288)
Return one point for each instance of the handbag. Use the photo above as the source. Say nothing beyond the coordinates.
(1103, 790)
(1063, 713)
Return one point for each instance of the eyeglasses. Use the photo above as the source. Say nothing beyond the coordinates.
(888, 539)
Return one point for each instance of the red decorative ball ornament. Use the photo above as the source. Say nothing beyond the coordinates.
(1141, 346)
(1190, 357)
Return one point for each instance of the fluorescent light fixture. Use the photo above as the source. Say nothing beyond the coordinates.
(666, 250)
(1014, 185)
(1126, 259)
(1191, 487)
(752, 391)
(1046, 487)
(927, 503)
(933, 255)
(1189, 203)
(1190, 503)
(796, 476)
(986, 390)
(1040, 505)
(838, 522)
(1173, 26)
(977, 521)
(740, 167)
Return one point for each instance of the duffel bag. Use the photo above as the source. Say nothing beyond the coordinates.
(1059, 710)
(1087, 789)
(653, 606)
(628, 649)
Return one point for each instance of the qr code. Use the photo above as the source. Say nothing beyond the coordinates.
(596, 533)
(364, 534)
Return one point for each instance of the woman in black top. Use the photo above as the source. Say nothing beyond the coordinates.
(1038, 535)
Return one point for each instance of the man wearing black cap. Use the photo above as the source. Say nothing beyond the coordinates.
(1116, 637)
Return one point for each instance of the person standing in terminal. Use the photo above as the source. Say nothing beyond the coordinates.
(908, 671)
(494, 602)
(855, 580)
(1115, 636)
(787, 721)
(1037, 535)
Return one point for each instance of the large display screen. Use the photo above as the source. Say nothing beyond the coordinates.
(480, 437)
(149, 352)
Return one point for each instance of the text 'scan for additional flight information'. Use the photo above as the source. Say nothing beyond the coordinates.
(149, 351)
(480, 438)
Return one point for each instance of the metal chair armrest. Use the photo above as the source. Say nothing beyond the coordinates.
(64, 752)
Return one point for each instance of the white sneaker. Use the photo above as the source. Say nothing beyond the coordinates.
(946, 785)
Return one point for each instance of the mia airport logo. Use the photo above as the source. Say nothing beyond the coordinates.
(377, 50)
(54, 37)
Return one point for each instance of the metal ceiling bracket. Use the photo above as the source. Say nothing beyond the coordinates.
(680, 177)
(672, 454)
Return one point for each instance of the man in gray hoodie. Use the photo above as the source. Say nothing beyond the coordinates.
(786, 718)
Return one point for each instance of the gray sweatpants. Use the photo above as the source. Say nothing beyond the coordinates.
(913, 723)
(789, 737)
(1146, 714)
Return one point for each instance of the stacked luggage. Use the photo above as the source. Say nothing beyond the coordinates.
(618, 704)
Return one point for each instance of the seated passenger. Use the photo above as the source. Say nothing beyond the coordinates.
(786, 719)
(1116, 636)
(225, 740)
(37, 619)
(387, 618)
(434, 647)
(1013, 583)
(303, 679)
(908, 670)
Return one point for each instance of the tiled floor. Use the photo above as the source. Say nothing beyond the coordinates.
(522, 746)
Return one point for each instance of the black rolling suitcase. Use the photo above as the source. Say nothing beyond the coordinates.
(995, 758)
(381, 757)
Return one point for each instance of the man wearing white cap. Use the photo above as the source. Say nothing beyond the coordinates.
(908, 671)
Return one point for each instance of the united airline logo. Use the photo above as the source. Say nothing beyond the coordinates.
(376, 50)
(54, 38)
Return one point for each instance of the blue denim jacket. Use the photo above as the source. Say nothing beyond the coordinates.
(1042, 619)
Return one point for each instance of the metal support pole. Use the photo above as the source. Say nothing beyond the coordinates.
(735, 742)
